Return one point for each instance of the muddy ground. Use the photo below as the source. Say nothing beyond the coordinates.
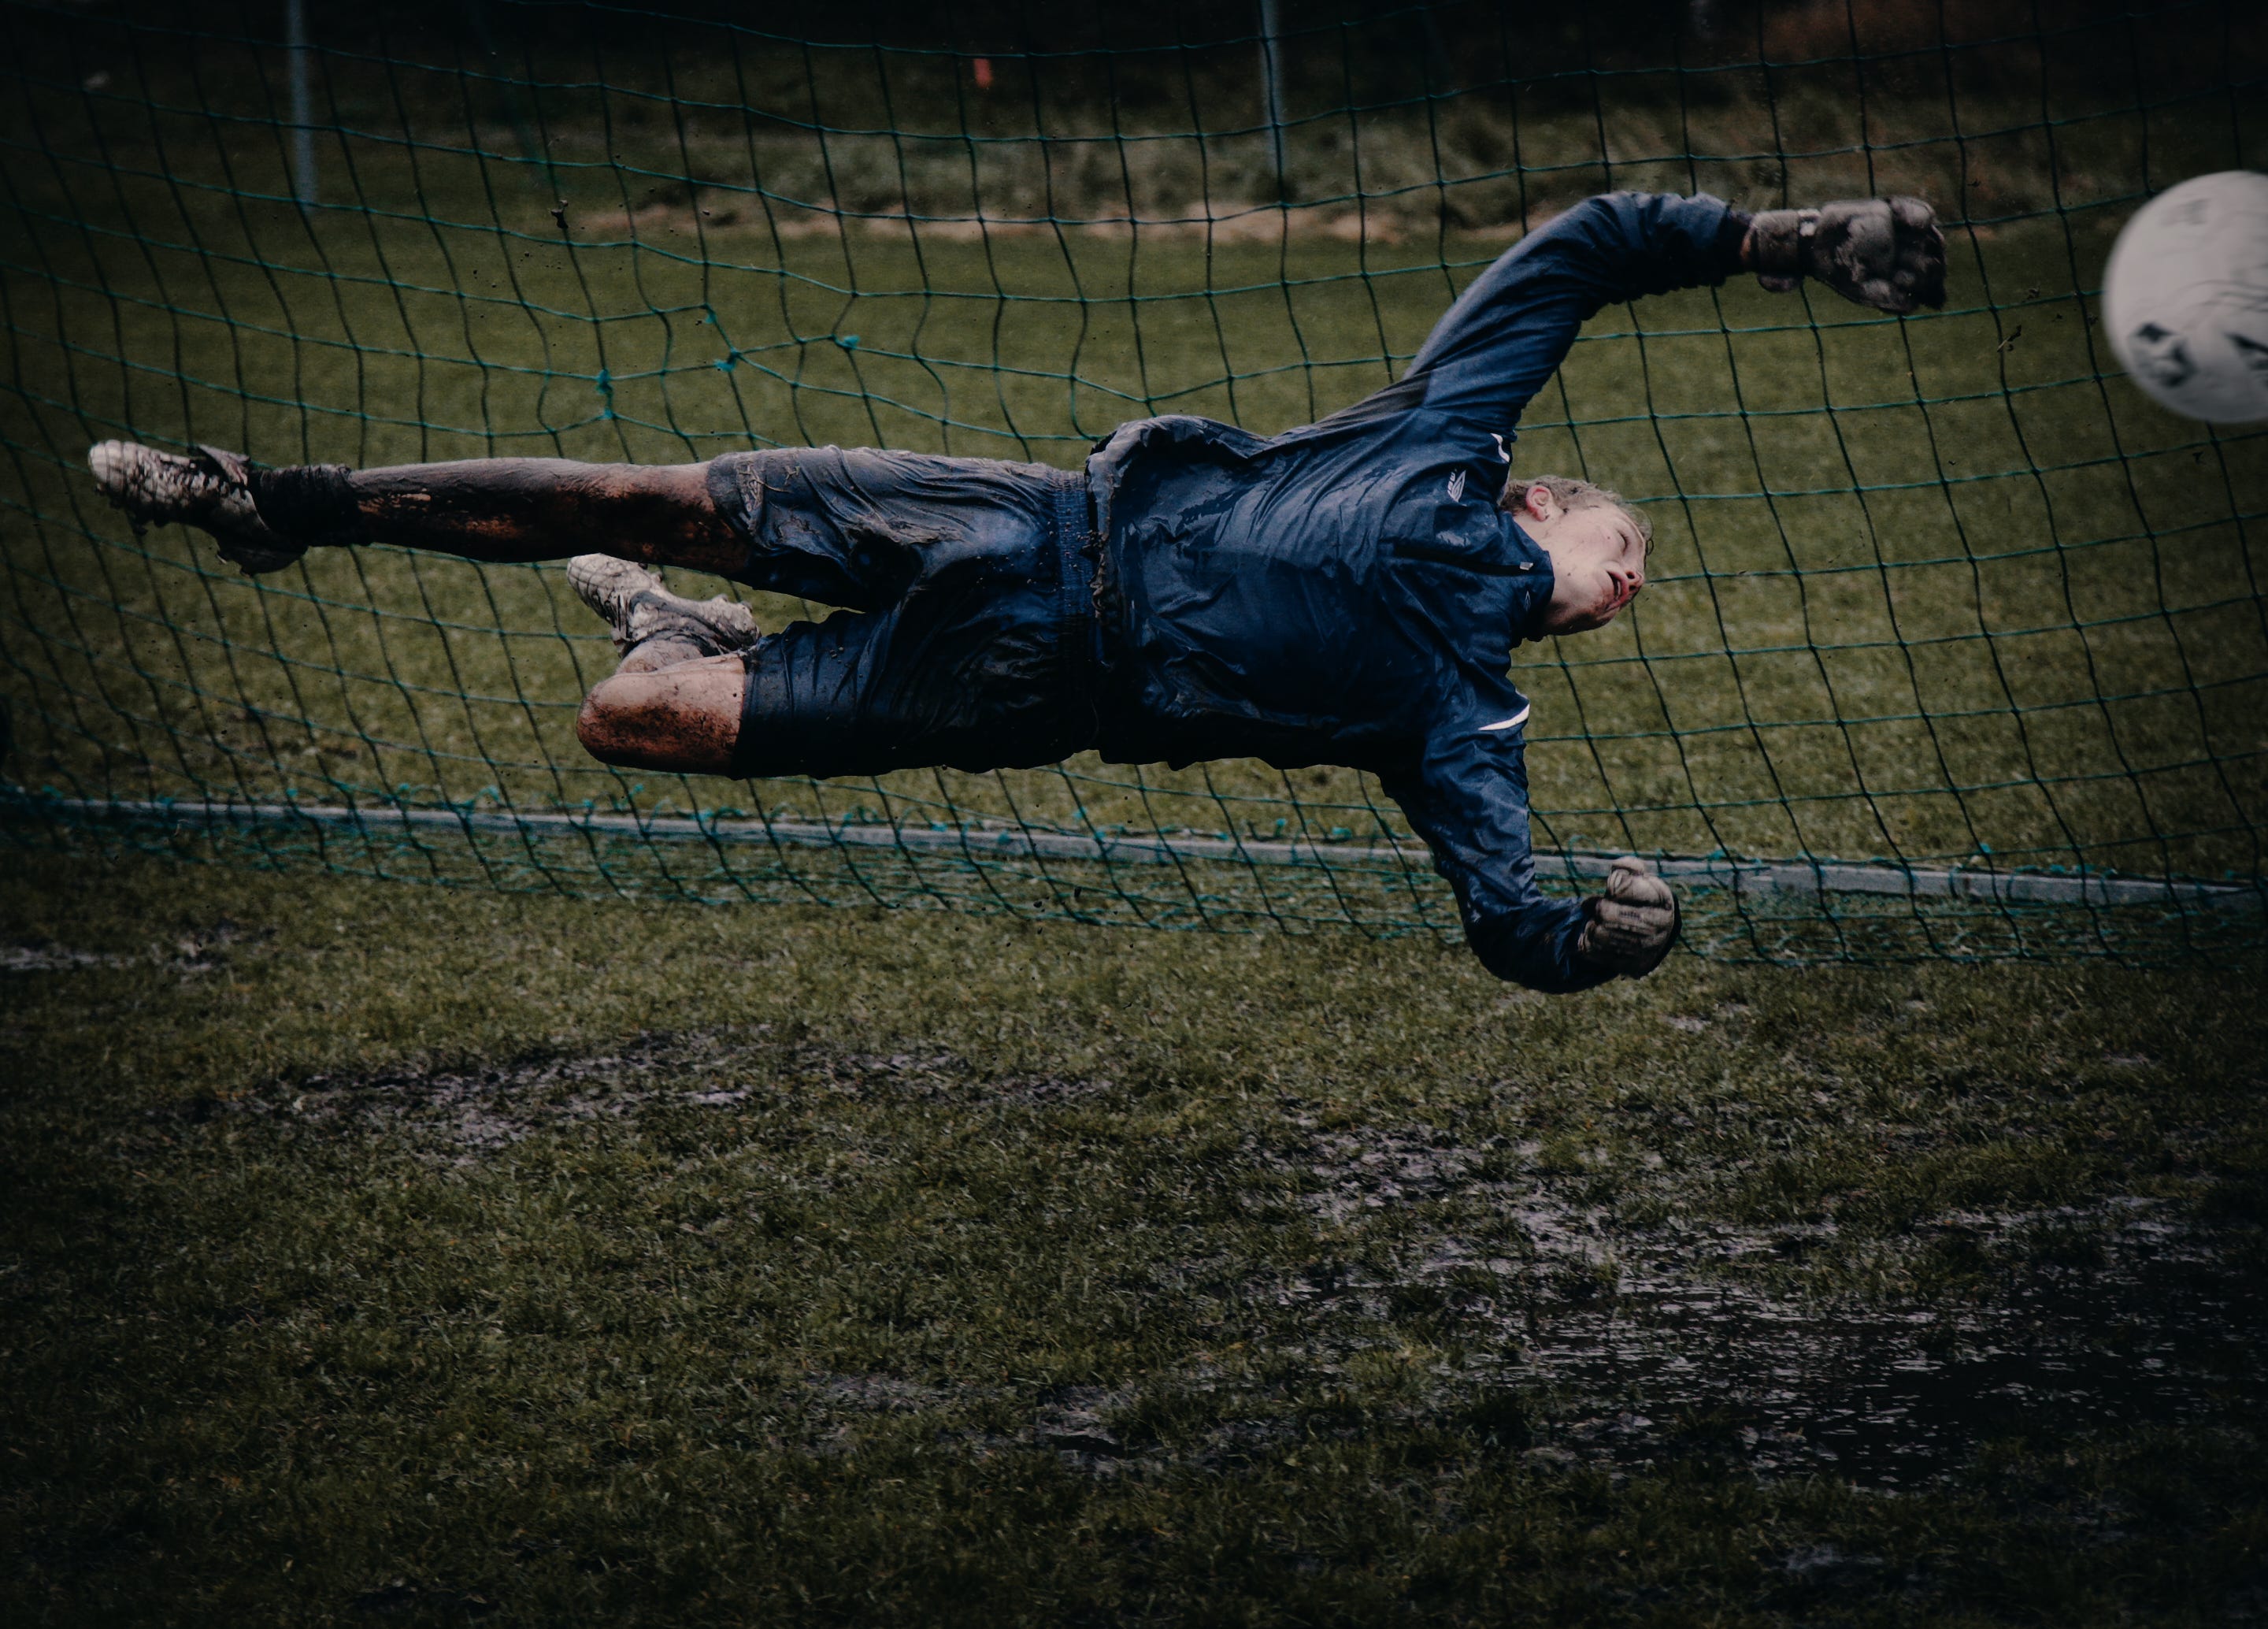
(1626, 1345)
(377, 1254)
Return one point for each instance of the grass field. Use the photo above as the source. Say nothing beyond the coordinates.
(383, 1255)
(552, 1250)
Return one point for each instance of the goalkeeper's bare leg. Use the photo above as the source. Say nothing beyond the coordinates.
(499, 509)
(675, 703)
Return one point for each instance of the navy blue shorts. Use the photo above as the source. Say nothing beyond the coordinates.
(968, 639)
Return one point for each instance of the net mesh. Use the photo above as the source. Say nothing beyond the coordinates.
(1953, 644)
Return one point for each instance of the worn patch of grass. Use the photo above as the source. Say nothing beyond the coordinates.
(383, 1251)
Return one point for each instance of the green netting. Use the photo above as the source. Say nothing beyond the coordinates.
(1954, 644)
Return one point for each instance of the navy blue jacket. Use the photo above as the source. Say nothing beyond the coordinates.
(1350, 592)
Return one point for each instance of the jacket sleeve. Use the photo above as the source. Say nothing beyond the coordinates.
(1466, 796)
(1509, 331)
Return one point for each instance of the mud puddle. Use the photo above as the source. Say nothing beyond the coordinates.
(1633, 1346)
(2160, 1333)
(1624, 1346)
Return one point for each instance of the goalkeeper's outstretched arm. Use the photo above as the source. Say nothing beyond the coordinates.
(1507, 333)
(1466, 793)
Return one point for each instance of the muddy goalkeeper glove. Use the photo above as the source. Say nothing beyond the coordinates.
(1632, 924)
(1886, 252)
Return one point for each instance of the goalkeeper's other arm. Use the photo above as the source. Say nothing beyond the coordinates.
(1632, 926)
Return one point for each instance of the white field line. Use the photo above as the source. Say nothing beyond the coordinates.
(1019, 843)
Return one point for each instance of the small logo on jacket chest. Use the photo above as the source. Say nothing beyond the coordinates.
(1457, 487)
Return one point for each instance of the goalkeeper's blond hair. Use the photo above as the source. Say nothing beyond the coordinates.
(1574, 494)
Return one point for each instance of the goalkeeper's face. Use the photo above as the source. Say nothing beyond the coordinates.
(1598, 560)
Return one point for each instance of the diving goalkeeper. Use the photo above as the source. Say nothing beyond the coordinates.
(1346, 593)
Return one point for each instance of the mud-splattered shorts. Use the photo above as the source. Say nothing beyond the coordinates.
(968, 639)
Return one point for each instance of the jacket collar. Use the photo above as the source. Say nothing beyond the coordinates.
(1531, 588)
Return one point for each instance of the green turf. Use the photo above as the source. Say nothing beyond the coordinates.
(372, 1255)
(384, 1254)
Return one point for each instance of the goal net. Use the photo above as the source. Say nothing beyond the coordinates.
(1953, 644)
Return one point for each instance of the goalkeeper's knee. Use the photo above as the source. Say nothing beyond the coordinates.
(685, 718)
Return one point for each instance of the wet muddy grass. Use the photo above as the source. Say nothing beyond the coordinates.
(373, 1255)
(1624, 1346)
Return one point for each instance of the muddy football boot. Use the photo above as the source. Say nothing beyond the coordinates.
(637, 606)
(208, 487)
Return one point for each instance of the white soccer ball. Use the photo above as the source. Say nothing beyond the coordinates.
(2185, 297)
